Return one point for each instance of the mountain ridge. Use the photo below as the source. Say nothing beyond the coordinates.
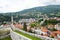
(50, 9)
(53, 10)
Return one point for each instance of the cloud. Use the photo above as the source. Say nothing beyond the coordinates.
(57, 2)
(18, 5)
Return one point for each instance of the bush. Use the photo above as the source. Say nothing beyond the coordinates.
(53, 29)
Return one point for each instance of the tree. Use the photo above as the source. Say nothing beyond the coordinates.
(51, 22)
(25, 27)
(33, 25)
(40, 20)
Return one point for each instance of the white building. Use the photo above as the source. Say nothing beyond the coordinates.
(57, 26)
(27, 20)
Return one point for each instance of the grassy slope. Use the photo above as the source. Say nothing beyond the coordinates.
(7, 38)
(26, 35)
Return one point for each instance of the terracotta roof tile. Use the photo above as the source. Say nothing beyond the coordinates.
(57, 32)
(45, 34)
(53, 34)
(18, 25)
(44, 29)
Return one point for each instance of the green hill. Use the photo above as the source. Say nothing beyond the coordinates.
(50, 10)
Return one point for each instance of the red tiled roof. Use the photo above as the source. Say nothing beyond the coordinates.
(45, 34)
(44, 29)
(5, 25)
(53, 34)
(18, 25)
(57, 32)
(58, 38)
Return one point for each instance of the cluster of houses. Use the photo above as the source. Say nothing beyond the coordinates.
(44, 31)
(56, 18)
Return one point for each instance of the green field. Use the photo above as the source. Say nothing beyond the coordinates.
(26, 35)
(6, 38)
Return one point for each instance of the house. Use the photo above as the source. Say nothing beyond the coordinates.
(57, 34)
(50, 26)
(17, 25)
(52, 35)
(5, 25)
(27, 20)
(57, 26)
(47, 32)
(58, 19)
(44, 31)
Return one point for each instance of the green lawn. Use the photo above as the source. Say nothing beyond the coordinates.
(4, 31)
(6, 38)
(26, 35)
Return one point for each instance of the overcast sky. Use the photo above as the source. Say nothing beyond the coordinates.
(18, 5)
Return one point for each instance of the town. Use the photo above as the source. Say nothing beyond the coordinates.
(43, 28)
(29, 19)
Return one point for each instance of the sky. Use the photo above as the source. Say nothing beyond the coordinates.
(18, 5)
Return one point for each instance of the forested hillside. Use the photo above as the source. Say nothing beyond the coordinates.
(50, 10)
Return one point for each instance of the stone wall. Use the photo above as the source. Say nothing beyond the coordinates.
(16, 36)
(4, 36)
(36, 35)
